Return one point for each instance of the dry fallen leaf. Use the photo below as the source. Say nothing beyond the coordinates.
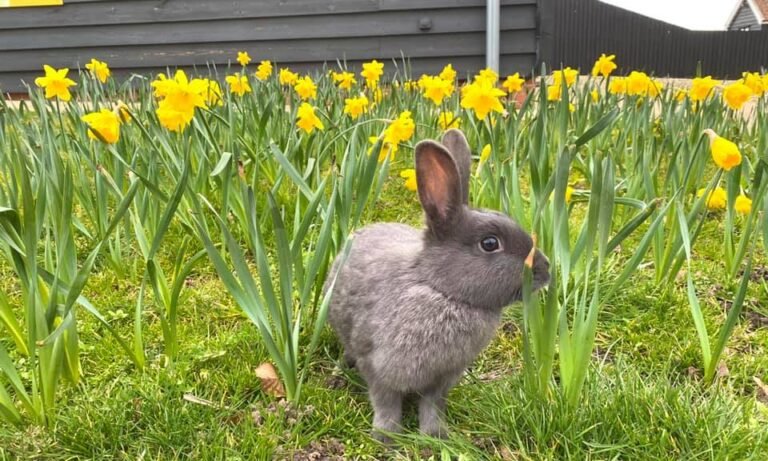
(256, 417)
(762, 390)
(270, 382)
(507, 454)
(722, 370)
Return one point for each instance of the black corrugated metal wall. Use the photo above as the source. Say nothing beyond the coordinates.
(585, 28)
(150, 35)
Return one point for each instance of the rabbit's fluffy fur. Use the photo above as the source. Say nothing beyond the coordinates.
(413, 308)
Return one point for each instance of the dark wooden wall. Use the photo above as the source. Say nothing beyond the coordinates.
(585, 28)
(146, 36)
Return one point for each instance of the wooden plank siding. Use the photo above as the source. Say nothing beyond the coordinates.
(147, 36)
(744, 19)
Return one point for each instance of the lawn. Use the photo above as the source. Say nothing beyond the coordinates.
(182, 231)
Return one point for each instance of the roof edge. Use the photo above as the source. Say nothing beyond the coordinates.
(758, 11)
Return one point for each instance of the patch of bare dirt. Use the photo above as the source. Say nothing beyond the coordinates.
(755, 319)
(288, 411)
(602, 355)
(509, 328)
(495, 448)
(282, 409)
(759, 274)
(336, 382)
(318, 450)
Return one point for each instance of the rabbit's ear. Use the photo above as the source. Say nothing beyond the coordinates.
(439, 186)
(457, 145)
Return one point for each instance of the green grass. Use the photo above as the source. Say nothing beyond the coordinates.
(644, 399)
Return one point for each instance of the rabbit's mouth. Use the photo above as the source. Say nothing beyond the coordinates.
(540, 279)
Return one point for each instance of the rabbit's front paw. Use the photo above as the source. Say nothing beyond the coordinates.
(431, 411)
(382, 437)
(438, 431)
(387, 412)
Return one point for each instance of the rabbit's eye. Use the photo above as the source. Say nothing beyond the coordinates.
(490, 244)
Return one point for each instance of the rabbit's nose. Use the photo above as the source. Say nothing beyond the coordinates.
(541, 262)
(541, 275)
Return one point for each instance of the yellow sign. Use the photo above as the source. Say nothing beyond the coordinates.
(12, 3)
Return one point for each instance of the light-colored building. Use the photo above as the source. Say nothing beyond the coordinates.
(749, 15)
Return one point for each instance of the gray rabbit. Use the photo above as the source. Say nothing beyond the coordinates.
(413, 308)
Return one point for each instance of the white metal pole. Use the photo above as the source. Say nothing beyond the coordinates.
(492, 33)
